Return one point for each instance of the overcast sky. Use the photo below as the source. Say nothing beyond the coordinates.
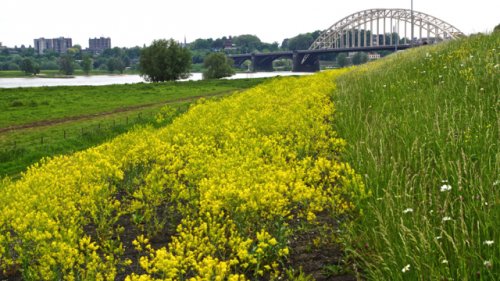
(134, 23)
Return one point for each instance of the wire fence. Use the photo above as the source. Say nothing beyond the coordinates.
(67, 136)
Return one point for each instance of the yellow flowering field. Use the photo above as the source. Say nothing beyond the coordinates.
(216, 195)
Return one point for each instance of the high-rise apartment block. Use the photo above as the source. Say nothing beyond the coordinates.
(98, 45)
(59, 45)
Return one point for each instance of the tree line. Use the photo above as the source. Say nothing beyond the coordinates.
(111, 60)
(119, 59)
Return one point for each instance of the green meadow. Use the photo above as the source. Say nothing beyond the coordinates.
(47, 121)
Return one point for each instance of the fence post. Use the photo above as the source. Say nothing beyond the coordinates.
(41, 140)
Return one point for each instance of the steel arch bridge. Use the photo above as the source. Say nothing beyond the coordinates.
(364, 31)
(382, 27)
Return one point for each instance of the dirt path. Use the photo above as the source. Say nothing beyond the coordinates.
(51, 122)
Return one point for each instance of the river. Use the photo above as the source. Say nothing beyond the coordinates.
(98, 80)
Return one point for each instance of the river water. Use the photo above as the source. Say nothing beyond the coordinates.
(98, 80)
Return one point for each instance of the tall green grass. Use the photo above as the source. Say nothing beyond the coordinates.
(423, 128)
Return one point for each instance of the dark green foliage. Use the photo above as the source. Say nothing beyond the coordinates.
(218, 66)
(29, 66)
(66, 64)
(342, 60)
(201, 44)
(300, 42)
(164, 61)
(359, 58)
(87, 64)
(115, 64)
(247, 43)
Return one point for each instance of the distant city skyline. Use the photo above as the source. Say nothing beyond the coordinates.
(131, 23)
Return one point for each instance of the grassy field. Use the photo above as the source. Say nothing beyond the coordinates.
(21, 148)
(62, 120)
(423, 130)
(25, 105)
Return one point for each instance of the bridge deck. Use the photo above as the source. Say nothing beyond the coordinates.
(322, 51)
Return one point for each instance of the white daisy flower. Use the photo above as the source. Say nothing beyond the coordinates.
(406, 268)
(408, 210)
(445, 187)
(488, 242)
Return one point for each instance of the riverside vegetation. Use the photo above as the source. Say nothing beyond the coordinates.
(223, 192)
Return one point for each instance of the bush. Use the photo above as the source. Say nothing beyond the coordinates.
(164, 61)
(218, 66)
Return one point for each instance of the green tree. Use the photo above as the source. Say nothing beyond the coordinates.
(87, 64)
(218, 43)
(66, 64)
(117, 64)
(300, 42)
(11, 66)
(164, 61)
(110, 64)
(36, 68)
(342, 60)
(359, 58)
(218, 66)
(247, 43)
(496, 29)
(201, 44)
(27, 65)
(284, 44)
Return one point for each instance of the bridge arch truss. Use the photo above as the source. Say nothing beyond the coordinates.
(382, 27)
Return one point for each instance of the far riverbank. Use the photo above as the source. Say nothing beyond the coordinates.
(99, 80)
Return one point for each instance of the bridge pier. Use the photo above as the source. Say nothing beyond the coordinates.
(311, 64)
(261, 63)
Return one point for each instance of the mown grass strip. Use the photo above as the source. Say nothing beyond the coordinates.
(27, 105)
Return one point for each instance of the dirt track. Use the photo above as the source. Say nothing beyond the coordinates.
(51, 122)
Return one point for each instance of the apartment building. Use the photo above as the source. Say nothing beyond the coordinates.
(98, 45)
(59, 45)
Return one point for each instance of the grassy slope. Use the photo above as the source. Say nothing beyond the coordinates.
(417, 123)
